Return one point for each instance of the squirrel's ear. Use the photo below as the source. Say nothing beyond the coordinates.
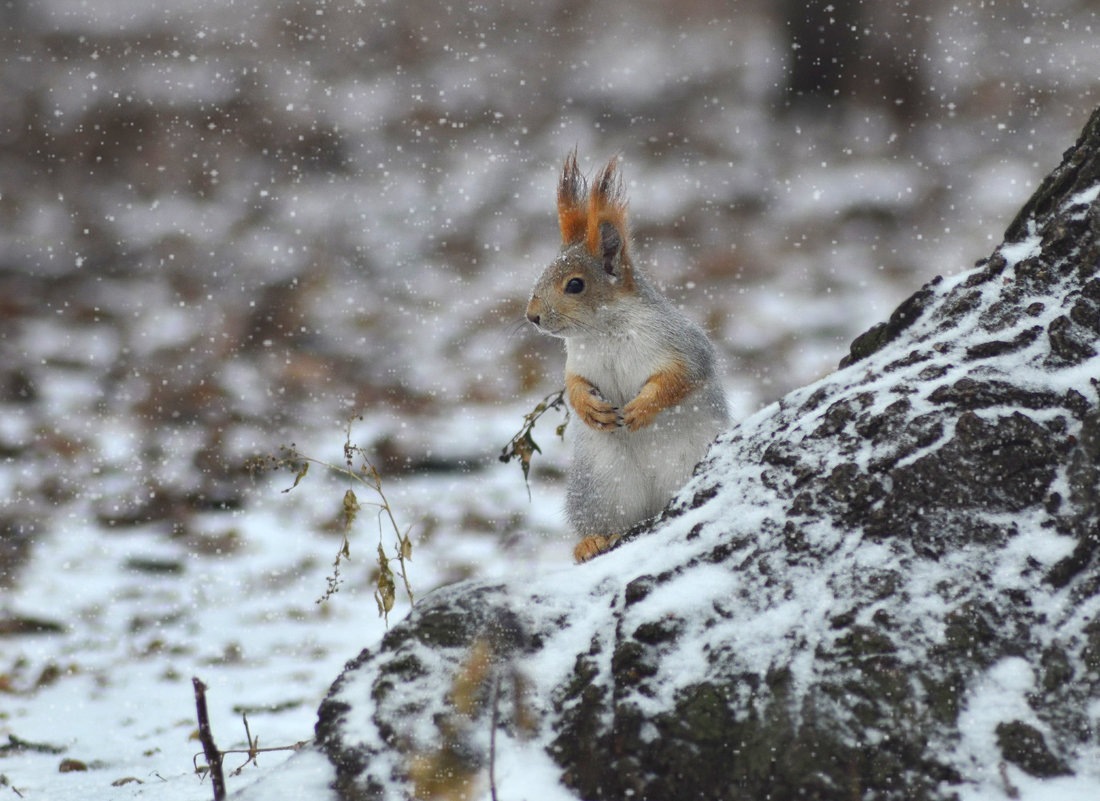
(611, 247)
(607, 233)
(572, 214)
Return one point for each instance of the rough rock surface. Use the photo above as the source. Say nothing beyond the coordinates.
(886, 585)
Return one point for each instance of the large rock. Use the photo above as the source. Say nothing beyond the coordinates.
(884, 586)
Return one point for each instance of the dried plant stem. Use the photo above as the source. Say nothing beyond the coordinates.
(206, 737)
(215, 757)
(365, 475)
(254, 748)
(523, 446)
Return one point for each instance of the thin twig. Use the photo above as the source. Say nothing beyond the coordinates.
(252, 751)
(1010, 789)
(298, 746)
(253, 748)
(206, 737)
(493, 735)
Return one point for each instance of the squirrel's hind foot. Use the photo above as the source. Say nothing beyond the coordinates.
(592, 546)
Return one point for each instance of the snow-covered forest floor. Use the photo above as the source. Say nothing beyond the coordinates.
(227, 227)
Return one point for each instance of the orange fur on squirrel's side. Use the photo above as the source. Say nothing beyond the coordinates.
(572, 203)
(661, 390)
(606, 203)
(593, 410)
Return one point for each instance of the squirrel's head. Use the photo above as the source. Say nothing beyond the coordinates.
(593, 270)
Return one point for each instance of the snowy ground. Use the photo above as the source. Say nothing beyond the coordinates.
(143, 615)
(229, 226)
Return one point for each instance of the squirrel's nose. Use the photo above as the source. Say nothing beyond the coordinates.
(534, 306)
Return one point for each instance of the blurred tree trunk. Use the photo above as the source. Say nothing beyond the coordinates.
(865, 53)
(823, 46)
(12, 12)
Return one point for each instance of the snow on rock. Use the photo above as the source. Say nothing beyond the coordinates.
(884, 585)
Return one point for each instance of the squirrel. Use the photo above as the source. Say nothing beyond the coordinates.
(639, 374)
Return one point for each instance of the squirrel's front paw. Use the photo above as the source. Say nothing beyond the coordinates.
(590, 405)
(598, 413)
(661, 391)
(639, 413)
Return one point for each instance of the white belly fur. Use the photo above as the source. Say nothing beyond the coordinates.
(619, 477)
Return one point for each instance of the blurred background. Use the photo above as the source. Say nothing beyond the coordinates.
(231, 225)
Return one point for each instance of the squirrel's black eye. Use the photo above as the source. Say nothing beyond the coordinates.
(574, 286)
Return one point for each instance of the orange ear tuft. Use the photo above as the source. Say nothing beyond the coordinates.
(572, 214)
(606, 203)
